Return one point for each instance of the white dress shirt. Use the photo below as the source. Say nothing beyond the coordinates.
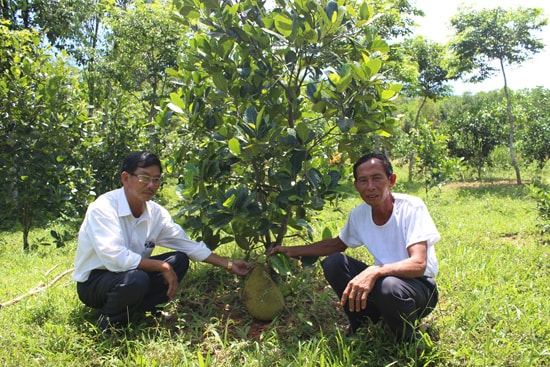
(111, 238)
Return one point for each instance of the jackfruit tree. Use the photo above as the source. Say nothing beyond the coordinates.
(273, 104)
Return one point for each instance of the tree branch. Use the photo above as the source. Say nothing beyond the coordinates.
(39, 288)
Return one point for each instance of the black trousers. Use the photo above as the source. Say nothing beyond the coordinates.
(400, 302)
(117, 295)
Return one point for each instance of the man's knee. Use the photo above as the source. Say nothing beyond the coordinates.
(134, 286)
(181, 264)
(390, 287)
(179, 261)
(333, 265)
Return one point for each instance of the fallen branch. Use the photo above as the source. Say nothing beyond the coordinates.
(39, 288)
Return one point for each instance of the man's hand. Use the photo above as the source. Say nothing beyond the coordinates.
(167, 272)
(170, 279)
(240, 267)
(358, 289)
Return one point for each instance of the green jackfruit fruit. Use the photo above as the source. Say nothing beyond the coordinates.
(261, 296)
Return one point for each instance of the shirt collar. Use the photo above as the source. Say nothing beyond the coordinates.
(124, 208)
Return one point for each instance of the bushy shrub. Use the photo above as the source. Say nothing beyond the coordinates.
(542, 196)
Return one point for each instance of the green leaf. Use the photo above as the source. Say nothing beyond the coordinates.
(283, 24)
(230, 200)
(303, 132)
(220, 220)
(315, 178)
(311, 36)
(396, 87)
(234, 146)
(250, 115)
(374, 65)
(219, 81)
(344, 82)
(224, 48)
(175, 98)
(332, 11)
(280, 263)
(189, 12)
(242, 242)
(387, 94)
(360, 72)
(334, 78)
(311, 88)
(380, 46)
(174, 108)
(326, 233)
(320, 107)
(308, 260)
(366, 11)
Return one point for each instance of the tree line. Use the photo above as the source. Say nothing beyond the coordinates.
(256, 106)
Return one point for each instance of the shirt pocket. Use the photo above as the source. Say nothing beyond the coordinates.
(149, 246)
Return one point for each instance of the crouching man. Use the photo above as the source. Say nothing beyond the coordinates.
(398, 231)
(114, 269)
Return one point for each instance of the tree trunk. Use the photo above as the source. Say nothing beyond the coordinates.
(26, 223)
(5, 10)
(411, 154)
(511, 121)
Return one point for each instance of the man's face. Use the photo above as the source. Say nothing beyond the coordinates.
(372, 183)
(143, 184)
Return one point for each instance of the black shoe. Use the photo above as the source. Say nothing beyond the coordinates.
(353, 326)
(105, 326)
(422, 342)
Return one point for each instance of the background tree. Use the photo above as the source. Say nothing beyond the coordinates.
(433, 160)
(476, 126)
(394, 18)
(137, 61)
(533, 108)
(427, 80)
(508, 37)
(269, 99)
(41, 112)
(123, 65)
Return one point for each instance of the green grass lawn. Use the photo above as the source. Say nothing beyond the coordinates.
(494, 310)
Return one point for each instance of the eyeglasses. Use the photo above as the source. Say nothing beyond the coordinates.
(147, 180)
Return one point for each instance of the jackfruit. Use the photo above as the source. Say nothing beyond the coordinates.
(261, 296)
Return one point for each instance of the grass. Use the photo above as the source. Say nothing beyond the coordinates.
(494, 284)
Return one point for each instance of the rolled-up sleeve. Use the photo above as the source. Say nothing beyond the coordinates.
(172, 236)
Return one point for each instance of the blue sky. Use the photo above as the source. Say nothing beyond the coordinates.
(436, 26)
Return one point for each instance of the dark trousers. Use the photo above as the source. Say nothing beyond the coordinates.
(117, 295)
(400, 302)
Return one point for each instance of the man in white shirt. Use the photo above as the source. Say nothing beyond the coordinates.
(400, 234)
(114, 269)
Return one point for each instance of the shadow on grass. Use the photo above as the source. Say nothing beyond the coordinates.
(499, 189)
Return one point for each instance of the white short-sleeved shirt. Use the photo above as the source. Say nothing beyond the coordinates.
(111, 238)
(409, 223)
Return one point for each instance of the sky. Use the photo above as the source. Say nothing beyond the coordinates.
(532, 73)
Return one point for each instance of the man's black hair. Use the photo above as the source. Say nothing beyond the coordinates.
(139, 159)
(381, 157)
